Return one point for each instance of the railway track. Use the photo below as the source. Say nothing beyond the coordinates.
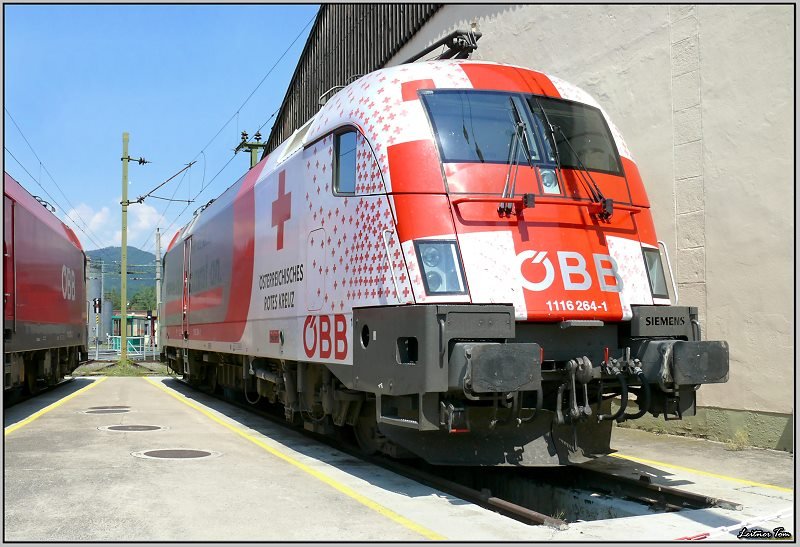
(507, 490)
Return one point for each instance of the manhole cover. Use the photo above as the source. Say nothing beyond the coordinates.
(107, 407)
(176, 454)
(131, 428)
(107, 411)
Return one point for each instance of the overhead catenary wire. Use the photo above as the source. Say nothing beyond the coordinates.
(141, 198)
(171, 199)
(164, 212)
(43, 166)
(32, 177)
(166, 230)
(94, 242)
(236, 113)
(204, 184)
(260, 127)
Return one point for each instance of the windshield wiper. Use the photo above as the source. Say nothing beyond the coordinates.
(519, 127)
(552, 136)
(595, 194)
(607, 204)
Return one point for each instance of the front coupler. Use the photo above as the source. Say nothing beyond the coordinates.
(424, 363)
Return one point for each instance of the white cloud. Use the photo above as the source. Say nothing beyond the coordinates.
(142, 220)
(105, 224)
(86, 221)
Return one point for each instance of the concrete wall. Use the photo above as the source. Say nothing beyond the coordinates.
(704, 97)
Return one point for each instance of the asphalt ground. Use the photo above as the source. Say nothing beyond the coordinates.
(67, 480)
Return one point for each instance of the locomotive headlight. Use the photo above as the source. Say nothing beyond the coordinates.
(431, 256)
(434, 281)
(549, 181)
(655, 272)
(441, 267)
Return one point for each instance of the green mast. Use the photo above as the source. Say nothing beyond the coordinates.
(123, 324)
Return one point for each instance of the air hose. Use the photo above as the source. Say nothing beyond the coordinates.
(642, 399)
(623, 402)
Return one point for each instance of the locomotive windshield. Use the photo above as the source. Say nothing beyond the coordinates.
(479, 127)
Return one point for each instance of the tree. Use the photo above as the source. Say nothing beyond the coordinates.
(144, 299)
(114, 296)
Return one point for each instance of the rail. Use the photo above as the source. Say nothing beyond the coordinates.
(656, 496)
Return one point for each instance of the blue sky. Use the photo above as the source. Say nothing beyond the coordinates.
(76, 77)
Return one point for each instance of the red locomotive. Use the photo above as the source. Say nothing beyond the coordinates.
(44, 293)
(455, 258)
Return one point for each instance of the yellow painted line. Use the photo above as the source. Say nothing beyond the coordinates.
(699, 472)
(45, 410)
(313, 472)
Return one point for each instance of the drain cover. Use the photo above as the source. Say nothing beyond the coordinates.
(107, 407)
(107, 411)
(131, 428)
(176, 454)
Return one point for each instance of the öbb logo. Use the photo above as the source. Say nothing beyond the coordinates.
(574, 273)
(67, 283)
(320, 340)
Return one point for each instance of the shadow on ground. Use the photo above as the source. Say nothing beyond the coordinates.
(310, 448)
(26, 407)
(400, 485)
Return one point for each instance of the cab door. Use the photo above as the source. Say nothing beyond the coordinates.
(9, 273)
(187, 279)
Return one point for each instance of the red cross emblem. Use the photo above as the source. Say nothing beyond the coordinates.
(281, 208)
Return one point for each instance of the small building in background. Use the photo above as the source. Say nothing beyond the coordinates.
(141, 328)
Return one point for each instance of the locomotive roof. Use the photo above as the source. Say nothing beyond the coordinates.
(21, 196)
(383, 105)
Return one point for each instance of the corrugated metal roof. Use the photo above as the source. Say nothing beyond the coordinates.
(347, 40)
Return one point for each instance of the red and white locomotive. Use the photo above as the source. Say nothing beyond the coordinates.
(455, 258)
(44, 293)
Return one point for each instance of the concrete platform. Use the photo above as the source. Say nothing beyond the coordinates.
(67, 480)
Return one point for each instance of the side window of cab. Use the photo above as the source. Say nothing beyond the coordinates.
(344, 181)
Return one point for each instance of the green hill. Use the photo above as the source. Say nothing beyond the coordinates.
(141, 268)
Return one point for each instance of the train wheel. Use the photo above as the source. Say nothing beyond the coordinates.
(368, 437)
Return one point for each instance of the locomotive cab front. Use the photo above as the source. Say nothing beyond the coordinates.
(542, 293)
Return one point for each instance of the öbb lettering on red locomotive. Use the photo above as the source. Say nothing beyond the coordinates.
(67, 283)
(325, 336)
(574, 273)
